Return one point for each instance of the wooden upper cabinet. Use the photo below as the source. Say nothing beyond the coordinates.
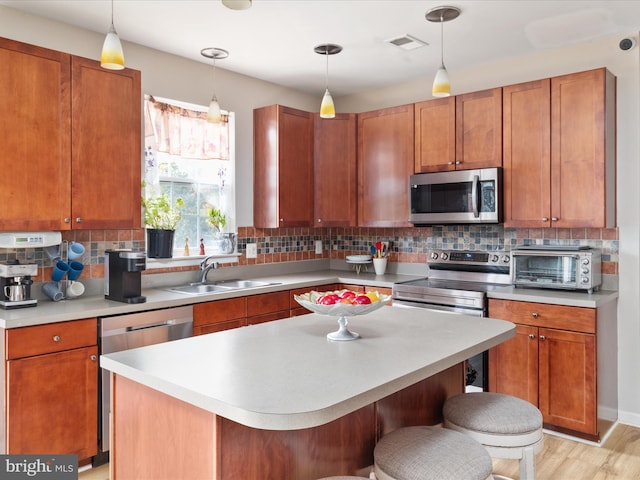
(35, 99)
(559, 152)
(106, 146)
(334, 147)
(283, 167)
(435, 135)
(385, 162)
(459, 133)
(479, 129)
(583, 172)
(527, 153)
(72, 141)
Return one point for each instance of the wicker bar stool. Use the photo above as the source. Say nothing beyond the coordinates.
(430, 453)
(507, 426)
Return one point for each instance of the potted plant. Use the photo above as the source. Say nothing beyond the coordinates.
(160, 218)
(225, 242)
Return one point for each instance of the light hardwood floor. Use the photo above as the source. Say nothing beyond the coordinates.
(560, 459)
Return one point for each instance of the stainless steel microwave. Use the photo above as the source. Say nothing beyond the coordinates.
(569, 267)
(461, 196)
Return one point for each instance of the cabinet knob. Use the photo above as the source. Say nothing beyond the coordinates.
(94, 358)
(545, 219)
(78, 219)
(56, 338)
(542, 338)
(319, 220)
(534, 314)
(282, 220)
(67, 220)
(554, 219)
(449, 163)
(458, 162)
(532, 336)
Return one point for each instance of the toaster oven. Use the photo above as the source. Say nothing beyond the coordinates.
(568, 267)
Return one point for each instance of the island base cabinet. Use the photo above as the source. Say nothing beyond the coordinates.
(158, 436)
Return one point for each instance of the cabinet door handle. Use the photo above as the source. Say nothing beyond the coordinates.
(532, 336)
(56, 338)
(458, 162)
(94, 358)
(319, 220)
(535, 315)
(545, 219)
(554, 219)
(78, 219)
(67, 220)
(449, 163)
(542, 338)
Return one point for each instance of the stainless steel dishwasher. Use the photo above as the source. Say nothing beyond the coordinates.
(124, 332)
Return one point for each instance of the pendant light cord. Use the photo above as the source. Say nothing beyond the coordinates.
(326, 77)
(442, 39)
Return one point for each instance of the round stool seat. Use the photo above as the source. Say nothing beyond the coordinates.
(430, 453)
(498, 419)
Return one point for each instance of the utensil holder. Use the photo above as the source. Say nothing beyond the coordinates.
(380, 265)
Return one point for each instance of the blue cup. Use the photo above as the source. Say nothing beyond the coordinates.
(75, 269)
(60, 269)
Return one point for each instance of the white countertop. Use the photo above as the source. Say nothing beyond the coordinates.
(286, 375)
(158, 298)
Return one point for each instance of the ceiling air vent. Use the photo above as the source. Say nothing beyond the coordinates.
(407, 42)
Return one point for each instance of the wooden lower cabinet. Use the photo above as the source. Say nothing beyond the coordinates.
(52, 389)
(210, 317)
(553, 362)
(267, 307)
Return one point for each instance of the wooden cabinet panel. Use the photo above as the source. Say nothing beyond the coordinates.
(479, 129)
(385, 162)
(527, 154)
(335, 188)
(267, 303)
(283, 167)
(543, 315)
(568, 380)
(513, 365)
(52, 403)
(49, 338)
(435, 135)
(35, 121)
(559, 152)
(219, 315)
(106, 146)
(583, 149)
(552, 367)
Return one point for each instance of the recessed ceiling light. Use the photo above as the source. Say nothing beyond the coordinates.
(407, 42)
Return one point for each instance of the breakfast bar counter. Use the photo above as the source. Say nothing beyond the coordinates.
(279, 400)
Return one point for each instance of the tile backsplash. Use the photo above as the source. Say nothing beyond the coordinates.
(407, 245)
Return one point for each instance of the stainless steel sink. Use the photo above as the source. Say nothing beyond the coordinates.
(241, 283)
(199, 289)
(218, 286)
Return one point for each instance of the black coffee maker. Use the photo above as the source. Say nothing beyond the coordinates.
(123, 282)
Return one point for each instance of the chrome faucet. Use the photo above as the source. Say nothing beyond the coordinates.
(206, 268)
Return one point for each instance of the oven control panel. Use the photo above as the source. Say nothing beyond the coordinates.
(465, 257)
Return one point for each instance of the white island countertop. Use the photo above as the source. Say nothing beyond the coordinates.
(286, 375)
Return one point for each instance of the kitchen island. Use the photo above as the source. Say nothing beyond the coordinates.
(279, 400)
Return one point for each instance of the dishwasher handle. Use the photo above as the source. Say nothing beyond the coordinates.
(151, 325)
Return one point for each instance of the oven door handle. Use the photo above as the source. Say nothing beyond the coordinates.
(472, 312)
(475, 187)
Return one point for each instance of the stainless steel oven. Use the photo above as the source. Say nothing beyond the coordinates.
(458, 282)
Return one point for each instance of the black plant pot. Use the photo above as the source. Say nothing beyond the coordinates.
(160, 243)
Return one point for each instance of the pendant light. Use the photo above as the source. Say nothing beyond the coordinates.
(214, 115)
(237, 4)
(327, 108)
(441, 85)
(112, 56)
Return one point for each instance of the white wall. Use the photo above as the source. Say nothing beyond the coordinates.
(174, 77)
